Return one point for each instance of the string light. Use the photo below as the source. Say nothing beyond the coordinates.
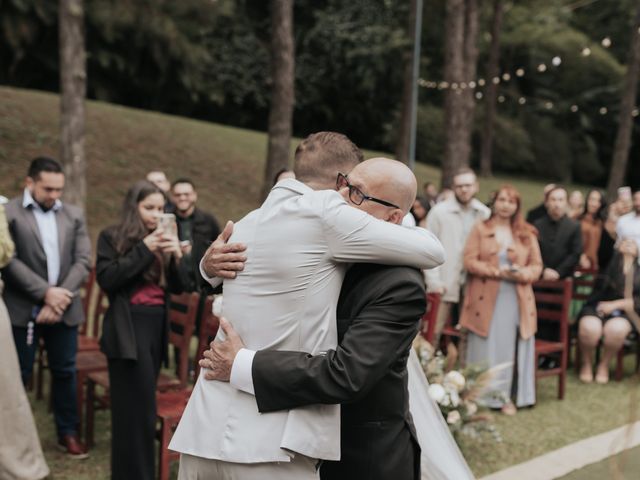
(479, 95)
(501, 99)
(520, 72)
(574, 108)
(481, 82)
(586, 51)
(603, 110)
(542, 68)
(506, 77)
(495, 80)
(522, 100)
(556, 61)
(548, 105)
(635, 112)
(606, 42)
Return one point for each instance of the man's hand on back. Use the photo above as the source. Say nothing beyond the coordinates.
(224, 259)
(219, 359)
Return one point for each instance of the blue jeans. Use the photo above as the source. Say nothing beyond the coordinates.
(61, 343)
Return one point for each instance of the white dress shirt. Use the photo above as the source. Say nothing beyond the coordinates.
(48, 234)
(298, 246)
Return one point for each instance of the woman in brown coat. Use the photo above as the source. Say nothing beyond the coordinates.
(502, 260)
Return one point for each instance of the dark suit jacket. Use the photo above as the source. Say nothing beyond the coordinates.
(560, 244)
(378, 316)
(119, 276)
(204, 231)
(25, 276)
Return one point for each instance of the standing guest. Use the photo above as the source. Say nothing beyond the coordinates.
(628, 225)
(196, 230)
(604, 317)
(540, 210)
(51, 263)
(160, 180)
(282, 174)
(419, 211)
(451, 221)
(137, 265)
(502, 259)
(576, 204)
(592, 226)
(20, 455)
(560, 237)
(430, 193)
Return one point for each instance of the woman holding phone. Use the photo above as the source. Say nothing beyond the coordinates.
(502, 260)
(136, 266)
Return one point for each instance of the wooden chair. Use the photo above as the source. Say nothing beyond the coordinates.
(171, 404)
(553, 301)
(430, 316)
(182, 311)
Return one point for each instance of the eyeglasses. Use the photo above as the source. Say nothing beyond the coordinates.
(355, 194)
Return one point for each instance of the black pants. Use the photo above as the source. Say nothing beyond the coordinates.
(133, 399)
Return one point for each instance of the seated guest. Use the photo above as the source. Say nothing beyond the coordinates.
(576, 204)
(196, 230)
(604, 316)
(559, 237)
(540, 210)
(502, 260)
(592, 226)
(137, 265)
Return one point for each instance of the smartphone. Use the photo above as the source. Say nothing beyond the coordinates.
(167, 223)
(514, 269)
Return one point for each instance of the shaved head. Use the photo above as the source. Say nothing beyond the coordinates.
(387, 180)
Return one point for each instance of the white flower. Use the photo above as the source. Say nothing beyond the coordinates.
(453, 417)
(437, 392)
(217, 306)
(455, 379)
(472, 408)
(455, 398)
(446, 400)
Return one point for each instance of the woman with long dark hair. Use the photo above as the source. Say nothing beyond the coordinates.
(136, 266)
(592, 222)
(502, 259)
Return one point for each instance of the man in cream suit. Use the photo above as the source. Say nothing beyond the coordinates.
(285, 299)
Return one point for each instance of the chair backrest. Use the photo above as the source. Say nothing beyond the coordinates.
(100, 308)
(182, 310)
(430, 315)
(86, 293)
(583, 282)
(208, 329)
(553, 302)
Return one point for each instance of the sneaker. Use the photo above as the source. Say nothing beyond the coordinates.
(72, 447)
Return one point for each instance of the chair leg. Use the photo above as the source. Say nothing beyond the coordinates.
(80, 379)
(90, 412)
(562, 380)
(163, 466)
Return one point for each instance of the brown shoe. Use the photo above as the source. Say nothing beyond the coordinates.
(73, 448)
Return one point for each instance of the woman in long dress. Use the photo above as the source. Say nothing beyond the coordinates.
(502, 259)
(21, 456)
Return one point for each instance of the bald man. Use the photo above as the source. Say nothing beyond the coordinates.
(377, 317)
(299, 244)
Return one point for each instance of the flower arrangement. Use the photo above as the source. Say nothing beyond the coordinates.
(456, 392)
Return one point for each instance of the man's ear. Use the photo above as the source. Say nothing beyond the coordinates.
(396, 216)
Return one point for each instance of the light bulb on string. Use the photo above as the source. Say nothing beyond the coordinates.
(556, 61)
(506, 77)
(635, 112)
(481, 82)
(606, 42)
(542, 68)
(479, 95)
(522, 100)
(495, 80)
(520, 72)
(586, 51)
(548, 105)
(603, 110)
(574, 108)
(472, 84)
(501, 99)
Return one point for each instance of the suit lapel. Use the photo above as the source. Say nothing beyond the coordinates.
(31, 220)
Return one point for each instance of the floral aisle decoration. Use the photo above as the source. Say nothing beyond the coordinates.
(456, 392)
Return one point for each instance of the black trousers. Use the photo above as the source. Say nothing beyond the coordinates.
(133, 399)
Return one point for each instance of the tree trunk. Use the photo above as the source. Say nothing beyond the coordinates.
(491, 91)
(625, 122)
(282, 92)
(404, 129)
(461, 56)
(73, 84)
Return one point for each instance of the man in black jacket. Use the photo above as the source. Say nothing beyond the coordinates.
(378, 316)
(196, 230)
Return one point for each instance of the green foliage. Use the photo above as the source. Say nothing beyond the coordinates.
(430, 135)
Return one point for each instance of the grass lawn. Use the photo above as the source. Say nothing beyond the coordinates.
(624, 466)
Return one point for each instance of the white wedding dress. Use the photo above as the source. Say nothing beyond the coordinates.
(441, 458)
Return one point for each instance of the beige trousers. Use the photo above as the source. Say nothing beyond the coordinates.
(198, 468)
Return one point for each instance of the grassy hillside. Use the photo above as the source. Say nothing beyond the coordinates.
(123, 144)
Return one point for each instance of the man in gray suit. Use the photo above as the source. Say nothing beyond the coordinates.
(42, 283)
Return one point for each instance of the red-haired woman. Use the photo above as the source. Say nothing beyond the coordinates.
(502, 259)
